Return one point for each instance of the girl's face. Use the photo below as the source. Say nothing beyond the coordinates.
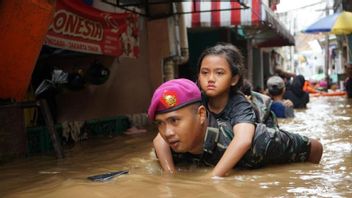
(215, 76)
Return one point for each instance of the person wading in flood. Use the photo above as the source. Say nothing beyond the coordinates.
(188, 133)
(281, 107)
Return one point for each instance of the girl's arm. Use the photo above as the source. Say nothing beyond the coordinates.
(163, 153)
(239, 145)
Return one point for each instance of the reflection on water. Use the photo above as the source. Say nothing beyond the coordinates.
(327, 118)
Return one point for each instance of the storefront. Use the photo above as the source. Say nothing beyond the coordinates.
(75, 38)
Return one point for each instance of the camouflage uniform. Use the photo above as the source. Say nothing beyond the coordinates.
(269, 146)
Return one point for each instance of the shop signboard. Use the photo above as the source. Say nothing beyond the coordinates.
(79, 27)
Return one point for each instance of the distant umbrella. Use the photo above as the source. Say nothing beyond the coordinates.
(338, 23)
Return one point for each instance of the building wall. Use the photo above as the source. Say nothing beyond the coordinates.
(157, 50)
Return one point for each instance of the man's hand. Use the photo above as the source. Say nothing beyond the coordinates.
(288, 103)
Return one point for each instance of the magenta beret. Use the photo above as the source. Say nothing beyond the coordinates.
(173, 95)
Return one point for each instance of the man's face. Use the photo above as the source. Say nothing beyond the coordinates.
(182, 129)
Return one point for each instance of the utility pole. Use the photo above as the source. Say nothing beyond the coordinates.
(327, 77)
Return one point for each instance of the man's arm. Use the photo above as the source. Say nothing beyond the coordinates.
(163, 153)
(283, 73)
(240, 144)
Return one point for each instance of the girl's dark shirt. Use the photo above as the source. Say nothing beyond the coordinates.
(237, 110)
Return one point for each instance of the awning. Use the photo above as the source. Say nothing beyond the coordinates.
(258, 22)
(23, 25)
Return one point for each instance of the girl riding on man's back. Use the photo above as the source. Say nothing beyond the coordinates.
(224, 132)
(220, 79)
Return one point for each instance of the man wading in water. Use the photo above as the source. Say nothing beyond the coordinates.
(188, 133)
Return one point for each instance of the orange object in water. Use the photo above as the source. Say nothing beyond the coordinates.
(23, 27)
(308, 87)
(335, 93)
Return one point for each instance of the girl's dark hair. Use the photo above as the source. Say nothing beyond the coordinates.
(233, 56)
(247, 87)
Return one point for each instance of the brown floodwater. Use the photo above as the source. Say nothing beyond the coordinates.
(327, 118)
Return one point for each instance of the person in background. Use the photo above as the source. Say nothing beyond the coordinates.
(348, 81)
(296, 94)
(276, 90)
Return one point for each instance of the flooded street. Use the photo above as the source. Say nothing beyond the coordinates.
(327, 118)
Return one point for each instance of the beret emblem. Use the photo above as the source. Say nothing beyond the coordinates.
(169, 99)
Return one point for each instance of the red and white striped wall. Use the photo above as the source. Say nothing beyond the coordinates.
(251, 16)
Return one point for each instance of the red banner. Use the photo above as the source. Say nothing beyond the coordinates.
(79, 27)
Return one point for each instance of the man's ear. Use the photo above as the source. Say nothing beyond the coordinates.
(202, 112)
(235, 80)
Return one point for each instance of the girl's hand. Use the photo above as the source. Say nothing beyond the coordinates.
(239, 145)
